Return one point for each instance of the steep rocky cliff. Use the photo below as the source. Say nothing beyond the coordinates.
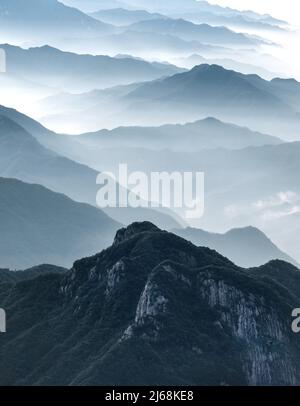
(152, 309)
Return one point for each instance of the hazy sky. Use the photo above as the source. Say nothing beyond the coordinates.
(286, 9)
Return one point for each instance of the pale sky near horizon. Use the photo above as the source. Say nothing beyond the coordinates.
(284, 9)
(288, 10)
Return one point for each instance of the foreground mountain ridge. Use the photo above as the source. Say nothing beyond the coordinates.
(152, 309)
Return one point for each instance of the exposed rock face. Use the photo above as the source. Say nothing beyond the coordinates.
(259, 330)
(152, 309)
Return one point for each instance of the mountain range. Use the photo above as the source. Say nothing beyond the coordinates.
(240, 186)
(121, 16)
(213, 90)
(195, 32)
(130, 41)
(53, 23)
(51, 67)
(126, 16)
(208, 133)
(235, 204)
(237, 201)
(270, 107)
(196, 101)
(49, 19)
(247, 247)
(89, 6)
(40, 226)
(21, 153)
(203, 11)
(153, 309)
(199, 9)
(228, 63)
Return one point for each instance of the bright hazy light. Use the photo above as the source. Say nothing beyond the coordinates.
(282, 9)
(288, 10)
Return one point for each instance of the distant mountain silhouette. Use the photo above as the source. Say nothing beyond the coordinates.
(121, 16)
(95, 5)
(235, 20)
(48, 19)
(254, 185)
(205, 12)
(194, 32)
(39, 226)
(211, 84)
(246, 247)
(226, 94)
(205, 91)
(131, 41)
(196, 10)
(51, 67)
(227, 63)
(203, 134)
(202, 13)
(153, 309)
(23, 156)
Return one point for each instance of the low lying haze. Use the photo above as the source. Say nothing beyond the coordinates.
(288, 10)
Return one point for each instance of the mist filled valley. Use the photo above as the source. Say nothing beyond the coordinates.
(164, 86)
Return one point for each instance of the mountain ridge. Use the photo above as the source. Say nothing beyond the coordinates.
(247, 247)
(40, 226)
(47, 18)
(193, 32)
(112, 315)
(49, 66)
(56, 170)
(202, 134)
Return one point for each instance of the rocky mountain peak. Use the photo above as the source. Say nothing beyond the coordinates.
(135, 228)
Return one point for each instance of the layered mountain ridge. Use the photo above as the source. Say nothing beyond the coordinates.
(246, 247)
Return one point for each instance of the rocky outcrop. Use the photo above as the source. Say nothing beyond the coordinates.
(136, 228)
(153, 309)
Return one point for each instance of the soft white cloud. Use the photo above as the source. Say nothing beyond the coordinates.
(270, 215)
(281, 204)
(277, 200)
